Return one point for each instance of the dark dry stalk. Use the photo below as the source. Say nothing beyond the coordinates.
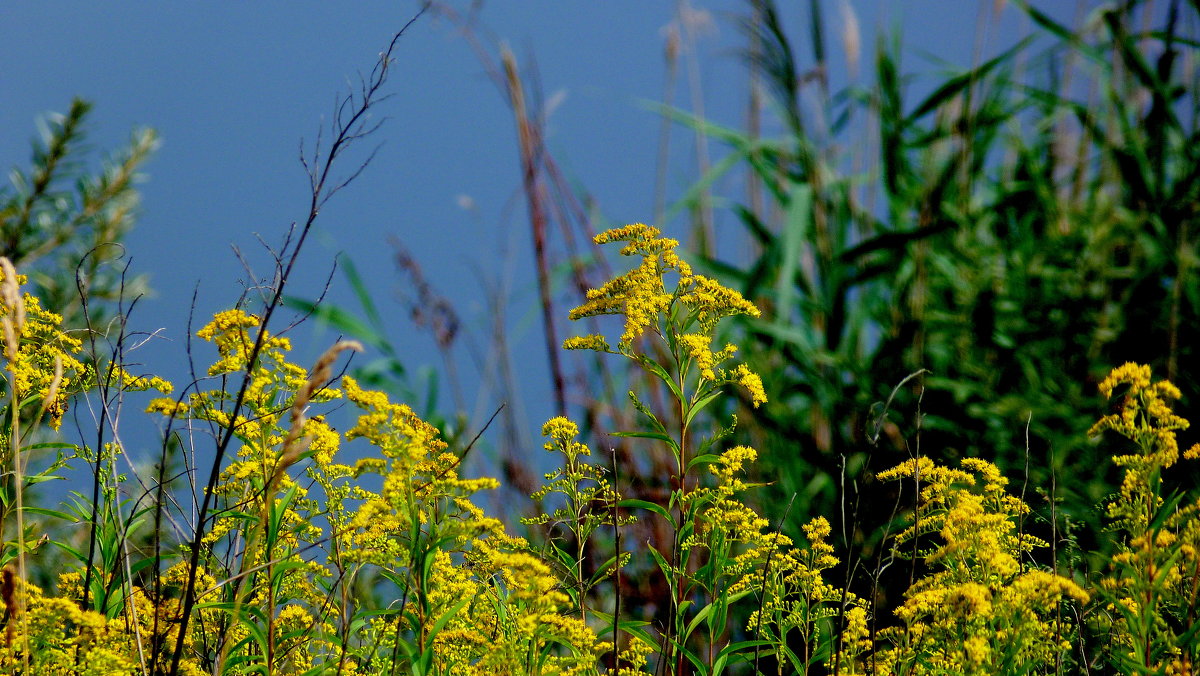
(159, 637)
(762, 600)
(1054, 560)
(344, 133)
(431, 310)
(103, 386)
(531, 153)
(852, 562)
(1024, 486)
(346, 614)
(131, 612)
(917, 486)
(703, 233)
(565, 203)
(616, 564)
(671, 56)
(156, 640)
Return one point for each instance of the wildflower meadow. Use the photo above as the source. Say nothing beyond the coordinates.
(932, 420)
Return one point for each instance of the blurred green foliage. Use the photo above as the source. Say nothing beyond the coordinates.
(62, 221)
(1025, 225)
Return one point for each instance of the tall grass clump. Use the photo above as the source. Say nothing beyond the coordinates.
(1008, 225)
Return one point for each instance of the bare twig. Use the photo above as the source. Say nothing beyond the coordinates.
(349, 124)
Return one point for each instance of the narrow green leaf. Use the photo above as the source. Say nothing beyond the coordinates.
(705, 459)
(702, 186)
(651, 435)
(663, 566)
(339, 319)
(797, 224)
(650, 506)
(695, 408)
(957, 84)
(657, 369)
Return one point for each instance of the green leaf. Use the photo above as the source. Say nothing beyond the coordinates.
(443, 619)
(663, 565)
(1169, 507)
(278, 511)
(734, 137)
(651, 506)
(650, 435)
(339, 319)
(699, 406)
(603, 570)
(792, 335)
(62, 445)
(959, 83)
(78, 555)
(797, 224)
(701, 616)
(645, 411)
(657, 369)
(738, 652)
(705, 459)
(702, 186)
(361, 292)
(65, 516)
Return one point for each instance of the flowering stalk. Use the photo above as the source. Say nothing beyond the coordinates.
(1151, 587)
(684, 321)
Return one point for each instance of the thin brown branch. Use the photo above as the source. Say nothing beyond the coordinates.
(319, 172)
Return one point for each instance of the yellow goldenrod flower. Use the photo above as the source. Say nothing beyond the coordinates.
(593, 342)
(742, 375)
(167, 406)
(978, 606)
(643, 298)
(41, 358)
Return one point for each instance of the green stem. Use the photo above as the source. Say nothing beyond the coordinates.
(680, 564)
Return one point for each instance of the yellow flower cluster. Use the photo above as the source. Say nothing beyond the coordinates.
(584, 486)
(594, 342)
(742, 375)
(230, 331)
(731, 463)
(980, 611)
(41, 363)
(642, 297)
(1145, 416)
(64, 640)
(488, 604)
(800, 605)
(504, 615)
(419, 477)
(1154, 571)
(745, 556)
(638, 294)
(698, 346)
(1146, 419)
(262, 427)
(710, 301)
(561, 433)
